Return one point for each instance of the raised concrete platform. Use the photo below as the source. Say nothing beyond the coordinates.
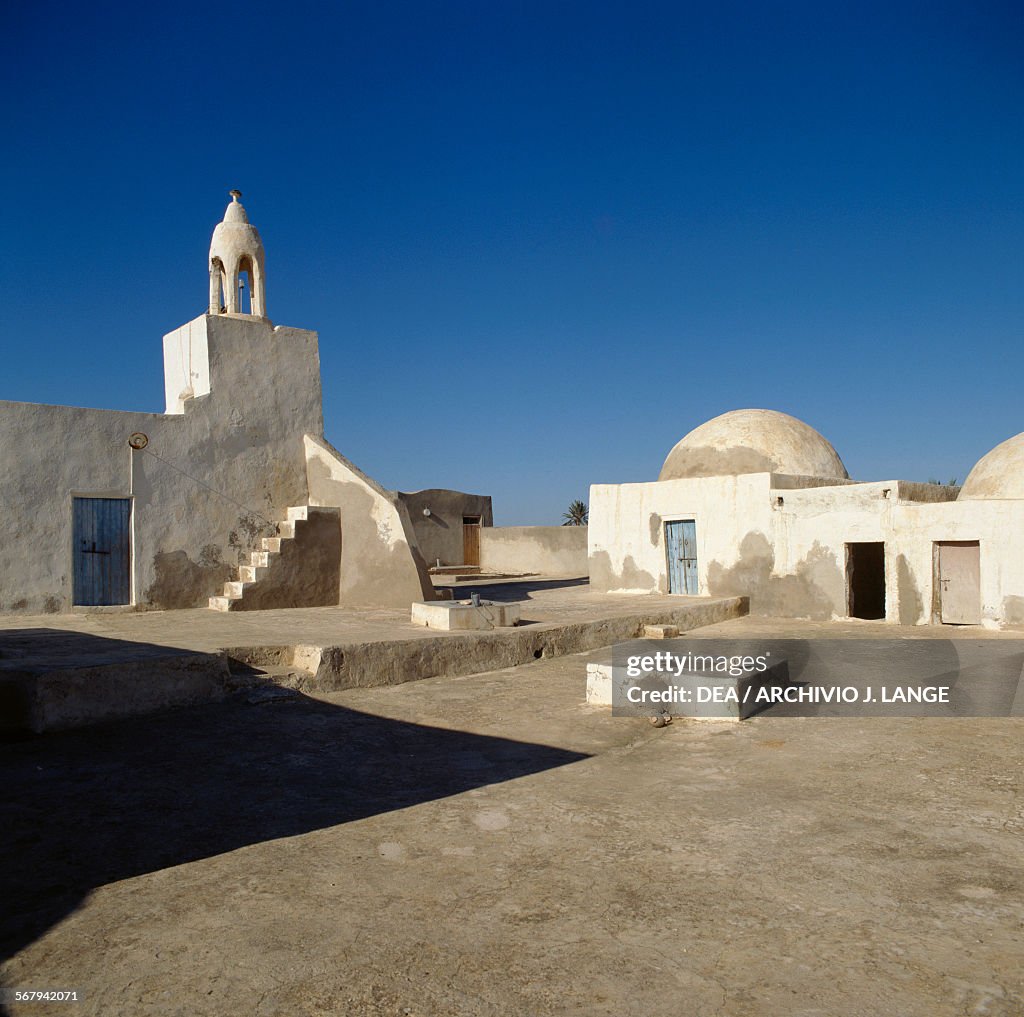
(464, 615)
(76, 696)
(61, 671)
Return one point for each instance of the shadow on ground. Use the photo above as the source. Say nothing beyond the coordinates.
(48, 648)
(88, 807)
(514, 590)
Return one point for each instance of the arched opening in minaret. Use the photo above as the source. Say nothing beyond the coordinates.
(246, 277)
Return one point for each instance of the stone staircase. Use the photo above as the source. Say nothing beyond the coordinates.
(260, 561)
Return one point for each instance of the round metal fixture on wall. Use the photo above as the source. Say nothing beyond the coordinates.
(138, 441)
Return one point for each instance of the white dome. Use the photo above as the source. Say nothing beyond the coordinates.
(999, 474)
(753, 441)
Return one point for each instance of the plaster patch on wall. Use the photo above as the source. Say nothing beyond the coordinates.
(655, 524)
(630, 577)
(209, 555)
(1013, 611)
(25, 606)
(706, 461)
(247, 535)
(375, 569)
(381, 517)
(814, 591)
(380, 562)
(910, 602)
(181, 582)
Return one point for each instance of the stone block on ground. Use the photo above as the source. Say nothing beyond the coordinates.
(463, 615)
(661, 631)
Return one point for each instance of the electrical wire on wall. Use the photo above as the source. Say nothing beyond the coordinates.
(140, 443)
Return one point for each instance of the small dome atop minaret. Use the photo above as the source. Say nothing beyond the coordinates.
(236, 248)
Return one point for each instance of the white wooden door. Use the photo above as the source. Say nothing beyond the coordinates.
(960, 583)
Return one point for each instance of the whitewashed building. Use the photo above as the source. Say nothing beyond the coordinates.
(230, 498)
(757, 503)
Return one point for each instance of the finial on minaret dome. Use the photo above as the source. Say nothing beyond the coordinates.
(236, 248)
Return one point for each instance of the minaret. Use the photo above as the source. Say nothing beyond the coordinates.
(236, 247)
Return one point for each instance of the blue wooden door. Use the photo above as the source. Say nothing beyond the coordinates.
(681, 548)
(102, 550)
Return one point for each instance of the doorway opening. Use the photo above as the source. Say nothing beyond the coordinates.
(865, 580)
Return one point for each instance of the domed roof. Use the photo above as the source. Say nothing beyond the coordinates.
(753, 441)
(999, 474)
(235, 235)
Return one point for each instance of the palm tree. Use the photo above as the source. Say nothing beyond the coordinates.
(577, 514)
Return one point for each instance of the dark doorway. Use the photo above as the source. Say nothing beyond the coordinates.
(865, 580)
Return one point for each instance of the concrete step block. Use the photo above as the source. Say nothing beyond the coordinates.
(661, 631)
(271, 543)
(296, 512)
(222, 603)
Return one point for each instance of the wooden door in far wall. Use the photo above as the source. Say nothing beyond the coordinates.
(470, 540)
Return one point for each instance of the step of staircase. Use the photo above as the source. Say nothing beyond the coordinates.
(252, 571)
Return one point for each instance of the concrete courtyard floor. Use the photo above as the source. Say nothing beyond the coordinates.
(546, 601)
(490, 845)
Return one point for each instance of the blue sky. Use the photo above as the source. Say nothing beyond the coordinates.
(540, 241)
